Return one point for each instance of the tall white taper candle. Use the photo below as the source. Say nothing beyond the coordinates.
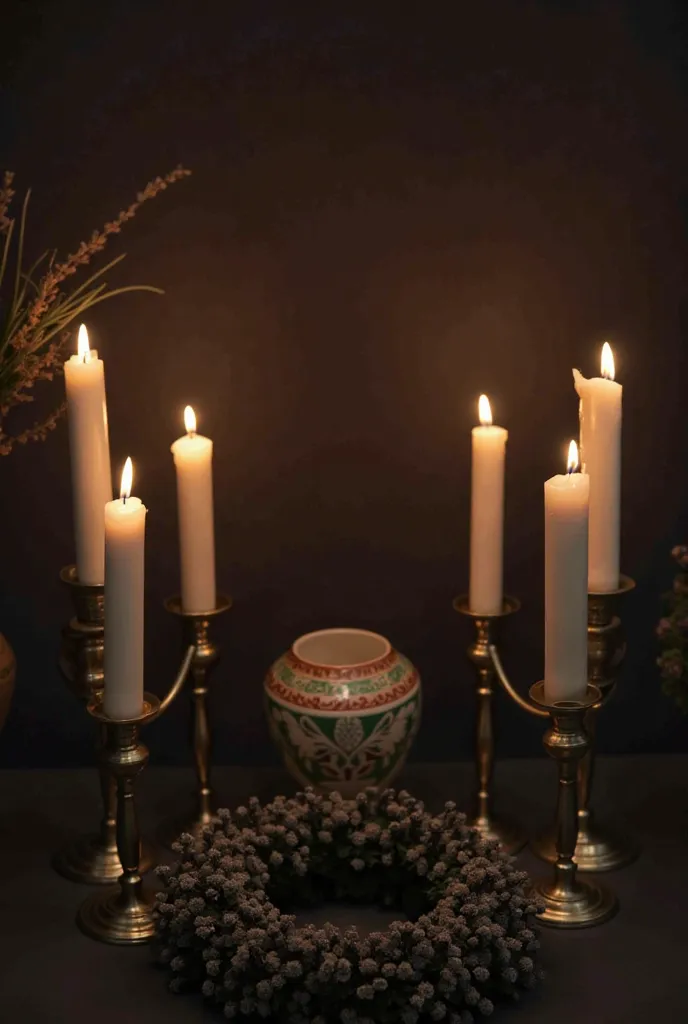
(193, 460)
(125, 534)
(487, 513)
(89, 456)
(600, 440)
(566, 590)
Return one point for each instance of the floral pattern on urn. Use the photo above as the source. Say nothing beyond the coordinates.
(343, 708)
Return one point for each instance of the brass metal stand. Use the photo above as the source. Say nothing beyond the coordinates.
(483, 818)
(197, 632)
(90, 859)
(599, 846)
(81, 654)
(122, 915)
(569, 901)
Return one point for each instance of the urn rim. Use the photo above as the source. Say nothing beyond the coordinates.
(371, 647)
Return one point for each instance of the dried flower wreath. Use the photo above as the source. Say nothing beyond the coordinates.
(468, 942)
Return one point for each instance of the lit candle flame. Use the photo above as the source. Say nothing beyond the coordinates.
(607, 363)
(572, 464)
(83, 345)
(484, 411)
(127, 479)
(190, 420)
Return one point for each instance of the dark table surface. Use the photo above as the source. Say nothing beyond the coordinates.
(633, 969)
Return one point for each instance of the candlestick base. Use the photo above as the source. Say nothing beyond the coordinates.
(580, 905)
(598, 847)
(108, 917)
(90, 861)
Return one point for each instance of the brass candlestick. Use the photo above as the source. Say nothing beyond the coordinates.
(599, 847)
(197, 632)
(81, 654)
(90, 859)
(122, 915)
(483, 818)
(569, 901)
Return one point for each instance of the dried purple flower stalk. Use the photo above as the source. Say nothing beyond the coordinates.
(34, 314)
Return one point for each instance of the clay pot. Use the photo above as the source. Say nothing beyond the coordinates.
(343, 708)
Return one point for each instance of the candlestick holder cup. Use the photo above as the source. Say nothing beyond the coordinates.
(91, 859)
(570, 902)
(599, 847)
(479, 653)
(196, 630)
(122, 915)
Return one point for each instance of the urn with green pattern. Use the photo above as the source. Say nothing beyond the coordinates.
(343, 708)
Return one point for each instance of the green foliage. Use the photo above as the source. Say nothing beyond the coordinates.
(222, 924)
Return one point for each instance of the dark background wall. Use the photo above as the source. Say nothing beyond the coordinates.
(390, 212)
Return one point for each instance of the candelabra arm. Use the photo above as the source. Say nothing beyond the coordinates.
(179, 681)
(506, 685)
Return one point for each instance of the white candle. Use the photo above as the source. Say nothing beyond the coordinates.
(125, 534)
(566, 578)
(90, 457)
(487, 513)
(600, 439)
(193, 460)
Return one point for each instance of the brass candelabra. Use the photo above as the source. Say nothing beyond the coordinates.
(483, 817)
(196, 631)
(599, 847)
(569, 902)
(122, 915)
(93, 858)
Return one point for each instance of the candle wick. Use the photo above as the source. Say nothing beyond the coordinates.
(124, 499)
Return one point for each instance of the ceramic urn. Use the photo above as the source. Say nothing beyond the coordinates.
(343, 708)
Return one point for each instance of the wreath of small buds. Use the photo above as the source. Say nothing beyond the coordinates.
(467, 944)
